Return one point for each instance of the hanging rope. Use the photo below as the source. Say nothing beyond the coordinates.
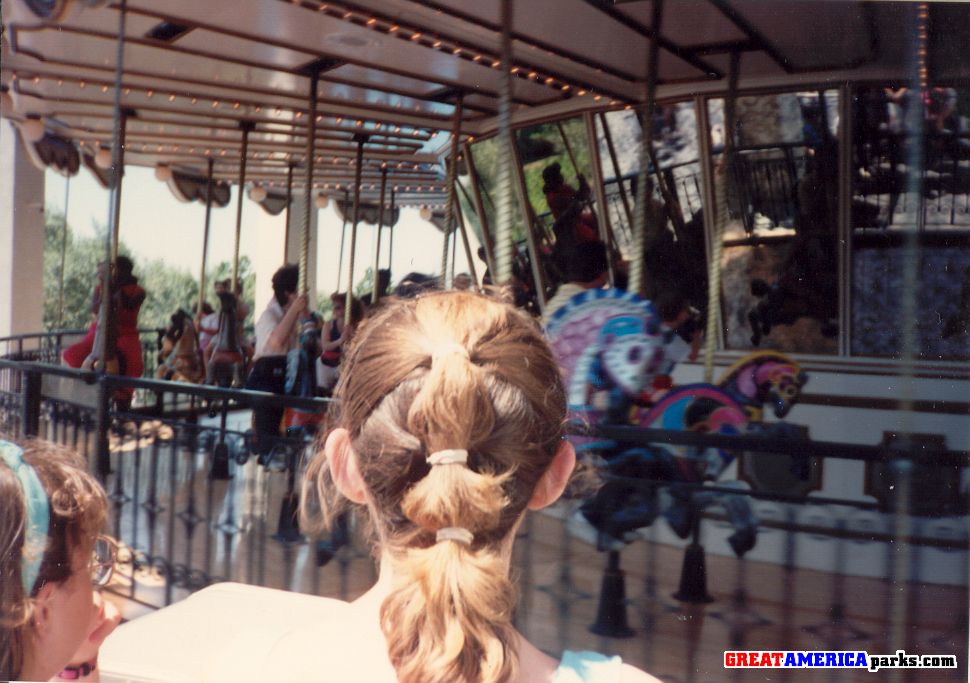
(636, 283)
(503, 228)
(722, 176)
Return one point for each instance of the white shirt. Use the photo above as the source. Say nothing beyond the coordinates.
(268, 321)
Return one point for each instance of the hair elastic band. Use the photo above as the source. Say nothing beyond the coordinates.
(447, 349)
(38, 514)
(449, 456)
(454, 533)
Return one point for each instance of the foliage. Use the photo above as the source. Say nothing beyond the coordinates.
(167, 289)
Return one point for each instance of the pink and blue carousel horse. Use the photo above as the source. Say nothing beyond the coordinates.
(610, 347)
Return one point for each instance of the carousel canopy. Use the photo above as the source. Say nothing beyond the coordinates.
(391, 72)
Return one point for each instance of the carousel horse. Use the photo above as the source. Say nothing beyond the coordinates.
(734, 406)
(226, 366)
(179, 358)
(301, 376)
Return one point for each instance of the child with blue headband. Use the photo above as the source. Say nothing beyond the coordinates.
(51, 511)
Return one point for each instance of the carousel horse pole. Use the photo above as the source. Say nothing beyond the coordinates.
(205, 234)
(611, 148)
(603, 215)
(473, 270)
(390, 228)
(611, 619)
(360, 139)
(380, 225)
(246, 127)
(487, 242)
(503, 230)
(343, 236)
(60, 288)
(106, 347)
(448, 227)
(289, 205)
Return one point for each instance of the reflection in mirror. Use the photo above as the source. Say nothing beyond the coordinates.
(484, 160)
(556, 168)
(674, 260)
(895, 197)
(780, 260)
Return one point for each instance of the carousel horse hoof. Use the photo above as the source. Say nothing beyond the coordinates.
(743, 540)
(680, 521)
(580, 527)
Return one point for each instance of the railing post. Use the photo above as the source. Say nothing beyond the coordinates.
(693, 572)
(102, 452)
(30, 403)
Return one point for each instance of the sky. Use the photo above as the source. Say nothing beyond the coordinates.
(156, 225)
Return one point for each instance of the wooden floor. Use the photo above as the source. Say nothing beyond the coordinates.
(761, 608)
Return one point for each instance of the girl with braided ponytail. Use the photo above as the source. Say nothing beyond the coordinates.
(449, 427)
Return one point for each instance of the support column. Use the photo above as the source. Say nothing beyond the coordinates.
(21, 237)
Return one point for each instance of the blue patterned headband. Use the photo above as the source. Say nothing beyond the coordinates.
(38, 514)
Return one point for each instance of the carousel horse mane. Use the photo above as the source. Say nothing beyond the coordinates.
(178, 357)
(227, 365)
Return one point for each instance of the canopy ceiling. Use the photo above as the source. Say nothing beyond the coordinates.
(394, 69)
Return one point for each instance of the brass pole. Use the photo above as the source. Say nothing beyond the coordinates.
(360, 139)
(308, 186)
(480, 209)
(380, 225)
(452, 173)
(205, 233)
(289, 202)
(245, 126)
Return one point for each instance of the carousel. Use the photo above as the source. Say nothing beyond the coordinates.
(771, 370)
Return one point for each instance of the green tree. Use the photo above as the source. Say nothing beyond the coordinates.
(167, 289)
(82, 255)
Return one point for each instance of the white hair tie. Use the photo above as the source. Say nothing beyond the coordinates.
(447, 349)
(449, 456)
(454, 533)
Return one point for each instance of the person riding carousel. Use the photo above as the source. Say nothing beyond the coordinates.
(127, 297)
(569, 206)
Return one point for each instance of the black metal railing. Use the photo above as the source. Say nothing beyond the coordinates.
(196, 498)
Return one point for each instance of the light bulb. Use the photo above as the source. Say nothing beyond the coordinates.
(102, 159)
(33, 129)
(163, 173)
(257, 193)
(323, 201)
(425, 213)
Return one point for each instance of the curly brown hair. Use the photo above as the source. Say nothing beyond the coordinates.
(78, 508)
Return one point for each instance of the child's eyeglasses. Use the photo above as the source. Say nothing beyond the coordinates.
(103, 560)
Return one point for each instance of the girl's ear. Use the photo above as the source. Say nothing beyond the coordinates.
(42, 617)
(343, 466)
(553, 481)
